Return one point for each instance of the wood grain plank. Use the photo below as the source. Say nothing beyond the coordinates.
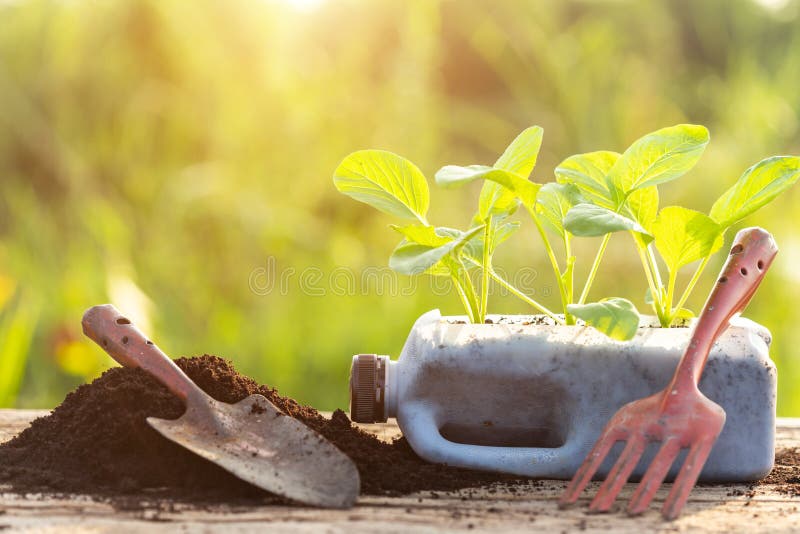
(492, 509)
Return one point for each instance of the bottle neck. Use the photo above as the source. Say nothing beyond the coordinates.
(373, 388)
(391, 389)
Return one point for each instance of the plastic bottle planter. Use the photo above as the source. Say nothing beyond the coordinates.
(532, 399)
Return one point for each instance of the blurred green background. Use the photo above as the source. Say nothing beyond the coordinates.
(172, 156)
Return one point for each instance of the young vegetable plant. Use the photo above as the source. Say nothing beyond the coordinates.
(548, 206)
(394, 185)
(622, 194)
(595, 194)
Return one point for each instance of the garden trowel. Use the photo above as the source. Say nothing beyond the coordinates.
(251, 439)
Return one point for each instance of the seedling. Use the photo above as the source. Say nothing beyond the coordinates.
(596, 194)
(622, 190)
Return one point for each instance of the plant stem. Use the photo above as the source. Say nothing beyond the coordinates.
(487, 264)
(516, 292)
(692, 282)
(597, 259)
(649, 275)
(554, 262)
(469, 289)
(569, 276)
(595, 266)
(662, 308)
(654, 265)
(519, 294)
(670, 295)
(463, 296)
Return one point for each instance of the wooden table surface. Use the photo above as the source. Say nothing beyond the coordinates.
(498, 508)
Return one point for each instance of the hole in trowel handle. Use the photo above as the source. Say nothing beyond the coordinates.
(123, 320)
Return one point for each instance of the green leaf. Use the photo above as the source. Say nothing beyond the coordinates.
(659, 157)
(642, 206)
(519, 159)
(496, 200)
(431, 237)
(588, 173)
(385, 181)
(520, 156)
(502, 231)
(683, 236)
(446, 266)
(758, 186)
(412, 257)
(452, 233)
(427, 235)
(615, 317)
(554, 202)
(506, 183)
(458, 175)
(519, 189)
(588, 220)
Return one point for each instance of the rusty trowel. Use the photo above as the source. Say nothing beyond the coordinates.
(251, 439)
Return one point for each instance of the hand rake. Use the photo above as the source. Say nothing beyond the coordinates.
(679, 417)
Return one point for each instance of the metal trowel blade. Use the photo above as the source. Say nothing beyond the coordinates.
(255, 441)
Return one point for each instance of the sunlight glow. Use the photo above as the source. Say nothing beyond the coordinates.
(772, 5)
(304, 6)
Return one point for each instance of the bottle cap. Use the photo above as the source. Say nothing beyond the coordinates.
(368, 388)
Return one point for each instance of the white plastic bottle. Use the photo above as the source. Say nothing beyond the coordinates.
(531, 399)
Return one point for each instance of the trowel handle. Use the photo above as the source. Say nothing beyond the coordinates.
(107, 327)
(751, 255)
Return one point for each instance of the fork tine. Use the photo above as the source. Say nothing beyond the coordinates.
(589, 466)
(686, 479)
(618, 475)
(654, 476)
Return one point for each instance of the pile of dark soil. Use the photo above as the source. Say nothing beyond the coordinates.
(97, 442)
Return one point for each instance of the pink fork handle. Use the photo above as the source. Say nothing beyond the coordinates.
(107, 327)
(751, 255)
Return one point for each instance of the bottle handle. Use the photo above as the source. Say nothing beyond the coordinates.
(422, 432)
